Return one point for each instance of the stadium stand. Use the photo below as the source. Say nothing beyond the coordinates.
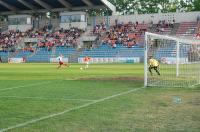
(163, 27)
(10, 39)
(170, 51)
(105, 50)
(4, 55)
(42, 54)
(41, 39)
(198, 32)
(60, 37)
(187, 29)
(122, 40)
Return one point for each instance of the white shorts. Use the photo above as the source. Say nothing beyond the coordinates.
(87, 63)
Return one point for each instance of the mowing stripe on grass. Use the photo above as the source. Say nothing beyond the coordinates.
(45, 98)
(22, 86)
(69, 110)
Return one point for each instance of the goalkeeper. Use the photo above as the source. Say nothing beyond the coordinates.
(153, 64)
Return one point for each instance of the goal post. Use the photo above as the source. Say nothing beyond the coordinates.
(178, 58)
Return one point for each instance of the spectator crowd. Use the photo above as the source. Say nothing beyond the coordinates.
(10, 39)
(45, 38)
(60, 37)
(125, 34)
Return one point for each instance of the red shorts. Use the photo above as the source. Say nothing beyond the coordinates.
(61, 63)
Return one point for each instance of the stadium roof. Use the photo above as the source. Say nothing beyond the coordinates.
(31, 6)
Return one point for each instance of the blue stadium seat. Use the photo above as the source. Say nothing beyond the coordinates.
(120, 51)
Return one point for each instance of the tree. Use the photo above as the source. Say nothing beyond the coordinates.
(196, 4)
(152, 6)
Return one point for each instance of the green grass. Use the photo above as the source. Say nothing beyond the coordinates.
(32, 91)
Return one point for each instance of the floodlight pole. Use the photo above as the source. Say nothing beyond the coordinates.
(145, 59)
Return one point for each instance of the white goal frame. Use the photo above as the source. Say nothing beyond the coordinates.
(166, 37)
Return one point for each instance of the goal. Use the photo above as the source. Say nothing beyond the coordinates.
(179, 61)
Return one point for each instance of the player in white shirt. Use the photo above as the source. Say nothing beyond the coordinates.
(60, 61)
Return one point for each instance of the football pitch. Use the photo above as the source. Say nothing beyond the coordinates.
(37, 97)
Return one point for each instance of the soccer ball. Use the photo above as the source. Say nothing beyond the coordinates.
(81, 68)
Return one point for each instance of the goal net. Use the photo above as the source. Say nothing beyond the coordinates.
(178, 59)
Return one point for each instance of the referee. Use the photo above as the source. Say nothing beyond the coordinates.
(153, 64)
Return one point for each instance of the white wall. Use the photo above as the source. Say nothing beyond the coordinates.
(27, 40)
(22, 28)
(177, 16)
(19, 16)
(88, 38)
(73, 13)
(80, 25)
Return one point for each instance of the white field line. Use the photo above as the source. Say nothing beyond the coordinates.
(33, 84)
(68, 110)
(16, 87)
(45, 98)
